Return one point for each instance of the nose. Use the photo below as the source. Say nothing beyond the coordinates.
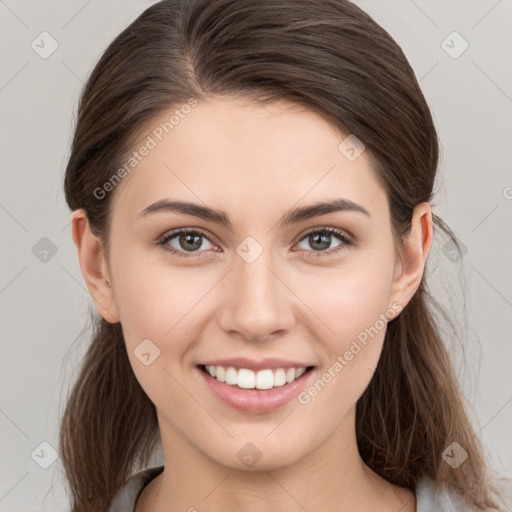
(257, 301)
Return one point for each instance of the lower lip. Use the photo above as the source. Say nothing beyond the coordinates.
(255, 400)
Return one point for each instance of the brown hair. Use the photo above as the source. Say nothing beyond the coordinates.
(329, 56)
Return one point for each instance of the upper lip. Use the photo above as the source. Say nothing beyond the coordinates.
(251, 364)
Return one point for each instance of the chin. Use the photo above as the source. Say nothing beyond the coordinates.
(254, 456)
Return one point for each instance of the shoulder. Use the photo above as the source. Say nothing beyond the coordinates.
(432, 498)
(126, 497)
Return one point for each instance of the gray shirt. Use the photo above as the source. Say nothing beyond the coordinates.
(428, 497)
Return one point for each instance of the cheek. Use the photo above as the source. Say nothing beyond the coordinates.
(351, 313)
(156, 308)
(158, 302)
(348, 300)
(148, 294)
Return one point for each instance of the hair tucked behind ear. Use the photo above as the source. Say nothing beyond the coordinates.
(109, 428)
(412, 410)
(331, 57)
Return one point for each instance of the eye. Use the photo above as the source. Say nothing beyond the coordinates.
(321, 239)
(188, 242)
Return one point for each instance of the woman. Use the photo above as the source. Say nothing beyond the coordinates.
(251, 186)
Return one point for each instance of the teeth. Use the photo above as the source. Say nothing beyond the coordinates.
(279, 377)
(220, 372)
(248, 379)
(231, 376)
(264, 379)
(245, 379)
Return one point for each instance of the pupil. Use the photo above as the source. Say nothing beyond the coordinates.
(190, 238)
(322, 239)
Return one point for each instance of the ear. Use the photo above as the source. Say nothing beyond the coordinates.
(94, 266)
(413, 256)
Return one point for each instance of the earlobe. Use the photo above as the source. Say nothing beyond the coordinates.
(413, 255)
(94, 267)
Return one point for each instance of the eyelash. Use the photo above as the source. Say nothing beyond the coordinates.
(345, 239)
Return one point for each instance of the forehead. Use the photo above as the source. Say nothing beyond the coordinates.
(230, 151)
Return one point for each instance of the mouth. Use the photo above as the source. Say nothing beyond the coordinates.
(246, 378)
(255, 391)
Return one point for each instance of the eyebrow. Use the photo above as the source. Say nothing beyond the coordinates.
(220, 217)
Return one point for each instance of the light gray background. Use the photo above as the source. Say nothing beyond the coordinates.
(44, 303)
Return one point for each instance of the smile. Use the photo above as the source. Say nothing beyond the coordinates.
(255, 391)
(249, 379)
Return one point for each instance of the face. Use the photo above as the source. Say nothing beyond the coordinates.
(262, 290)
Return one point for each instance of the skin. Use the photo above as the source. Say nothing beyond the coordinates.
(256, 163)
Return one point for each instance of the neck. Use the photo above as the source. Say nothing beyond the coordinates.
(331, 475)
